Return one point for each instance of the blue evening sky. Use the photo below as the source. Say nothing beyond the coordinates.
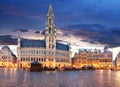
(95, 22)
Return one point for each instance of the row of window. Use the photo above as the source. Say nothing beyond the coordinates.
(43, 59)
(61, 54)
(33, 52)
(5, 52)
(5, 57)
(108, 56)
(101, 56)
(33, 59)
(97, 60)
(91, 57)
(105, 60)
(84, 58)
(8, 60)
(42, 53)
(62, 60)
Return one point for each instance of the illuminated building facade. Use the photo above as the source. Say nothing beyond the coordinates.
(118, 60)
(106, 59)
(49, 52)
(7, 58)
(94, 58)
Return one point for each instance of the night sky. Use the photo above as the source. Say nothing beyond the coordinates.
(81, 22)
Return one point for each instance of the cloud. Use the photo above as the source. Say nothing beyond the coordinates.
(37, 32)
(8, 40)
(78, 34)
(43, 32)
(27, 30)
(95, 34)
(21, 30)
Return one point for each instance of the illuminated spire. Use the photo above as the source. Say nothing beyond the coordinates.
(50, 12)
(50, 26)
(50, 33)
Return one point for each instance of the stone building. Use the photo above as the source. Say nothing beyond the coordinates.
(106, 59)
(7, 58)
(49, 52)
(117, 61)
(94, 58)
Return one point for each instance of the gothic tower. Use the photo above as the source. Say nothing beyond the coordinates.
(50, 33)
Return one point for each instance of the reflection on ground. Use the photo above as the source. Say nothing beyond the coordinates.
(95, 78)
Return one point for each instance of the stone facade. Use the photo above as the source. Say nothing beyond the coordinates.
(7, 58)
(49, 52)
(94, 58)
(118, 60)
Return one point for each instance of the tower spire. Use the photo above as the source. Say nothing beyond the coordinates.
(50, 26)
(50, 33)
(50, 12)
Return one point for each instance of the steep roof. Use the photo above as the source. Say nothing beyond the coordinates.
(60, 46)
(41, 43)
(32, 43)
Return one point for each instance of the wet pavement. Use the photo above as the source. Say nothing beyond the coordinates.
(93, 78)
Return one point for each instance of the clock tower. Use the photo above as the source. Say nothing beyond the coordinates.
(50, 33)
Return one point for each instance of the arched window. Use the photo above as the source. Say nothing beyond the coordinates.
(49, 30)
(52, 39)
(49, 39)
(49, 45)
(50, 21)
